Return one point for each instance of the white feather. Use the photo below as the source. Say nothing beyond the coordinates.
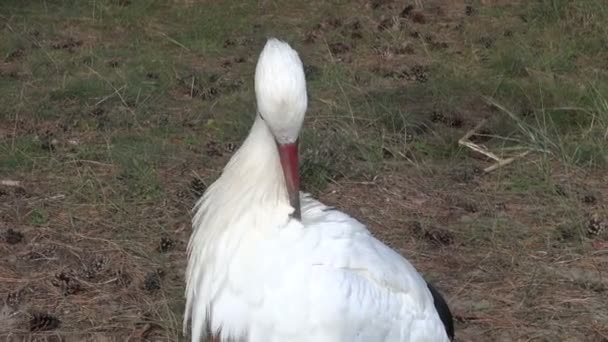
(256, 275)
(280, 89)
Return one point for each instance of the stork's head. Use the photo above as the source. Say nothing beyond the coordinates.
(280, 89)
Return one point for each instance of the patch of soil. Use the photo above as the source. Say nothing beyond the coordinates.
(43, 322)
(210, 87)
(213, 149)
(332, 24)
(311, 72)
(418, 17)
(94, 266)
(380, 4)
(338, 48)
(123, 279)
(15, 55)
(452, 119)
(407, 11)
(10, 70)
(98, 111)
(465, 175)
(122, 3)
(440, 237)
(385, 24)
(420, 73)
(437, 236)
(70, 44)
(417, 73)
(238, 41)
(12, 236)
(152, 281)
(228, 43)
(469, 10)
(48, 143)
(14, 299)
(113, 63)
(152, 75)
(482, 136)
(486, 41)
(353, 29)
(589, 198)
(67, 282)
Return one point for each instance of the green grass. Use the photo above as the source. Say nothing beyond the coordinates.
(23, 154)
(524, 71)
(541, 77)
(38, 217)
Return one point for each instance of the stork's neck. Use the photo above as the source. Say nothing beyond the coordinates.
(252, 183)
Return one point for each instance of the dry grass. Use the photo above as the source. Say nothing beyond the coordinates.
(115, 115)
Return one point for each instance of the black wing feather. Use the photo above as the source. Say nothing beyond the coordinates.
(443, 310)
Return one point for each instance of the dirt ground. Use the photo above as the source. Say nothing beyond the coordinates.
(117, 115)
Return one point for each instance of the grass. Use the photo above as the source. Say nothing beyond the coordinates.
(115, 115)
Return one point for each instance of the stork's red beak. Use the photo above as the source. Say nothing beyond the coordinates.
(291, 169)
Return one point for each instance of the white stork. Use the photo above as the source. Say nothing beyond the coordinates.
(270, 264)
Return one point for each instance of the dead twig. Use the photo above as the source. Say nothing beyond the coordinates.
(507, 161)
(500, 162)
(11, 183)
(117, 92)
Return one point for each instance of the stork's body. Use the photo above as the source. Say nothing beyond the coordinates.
(260, 271)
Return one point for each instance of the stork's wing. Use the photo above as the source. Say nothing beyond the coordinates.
(329, 280)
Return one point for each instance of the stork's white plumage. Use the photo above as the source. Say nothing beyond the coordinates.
(268, 264)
